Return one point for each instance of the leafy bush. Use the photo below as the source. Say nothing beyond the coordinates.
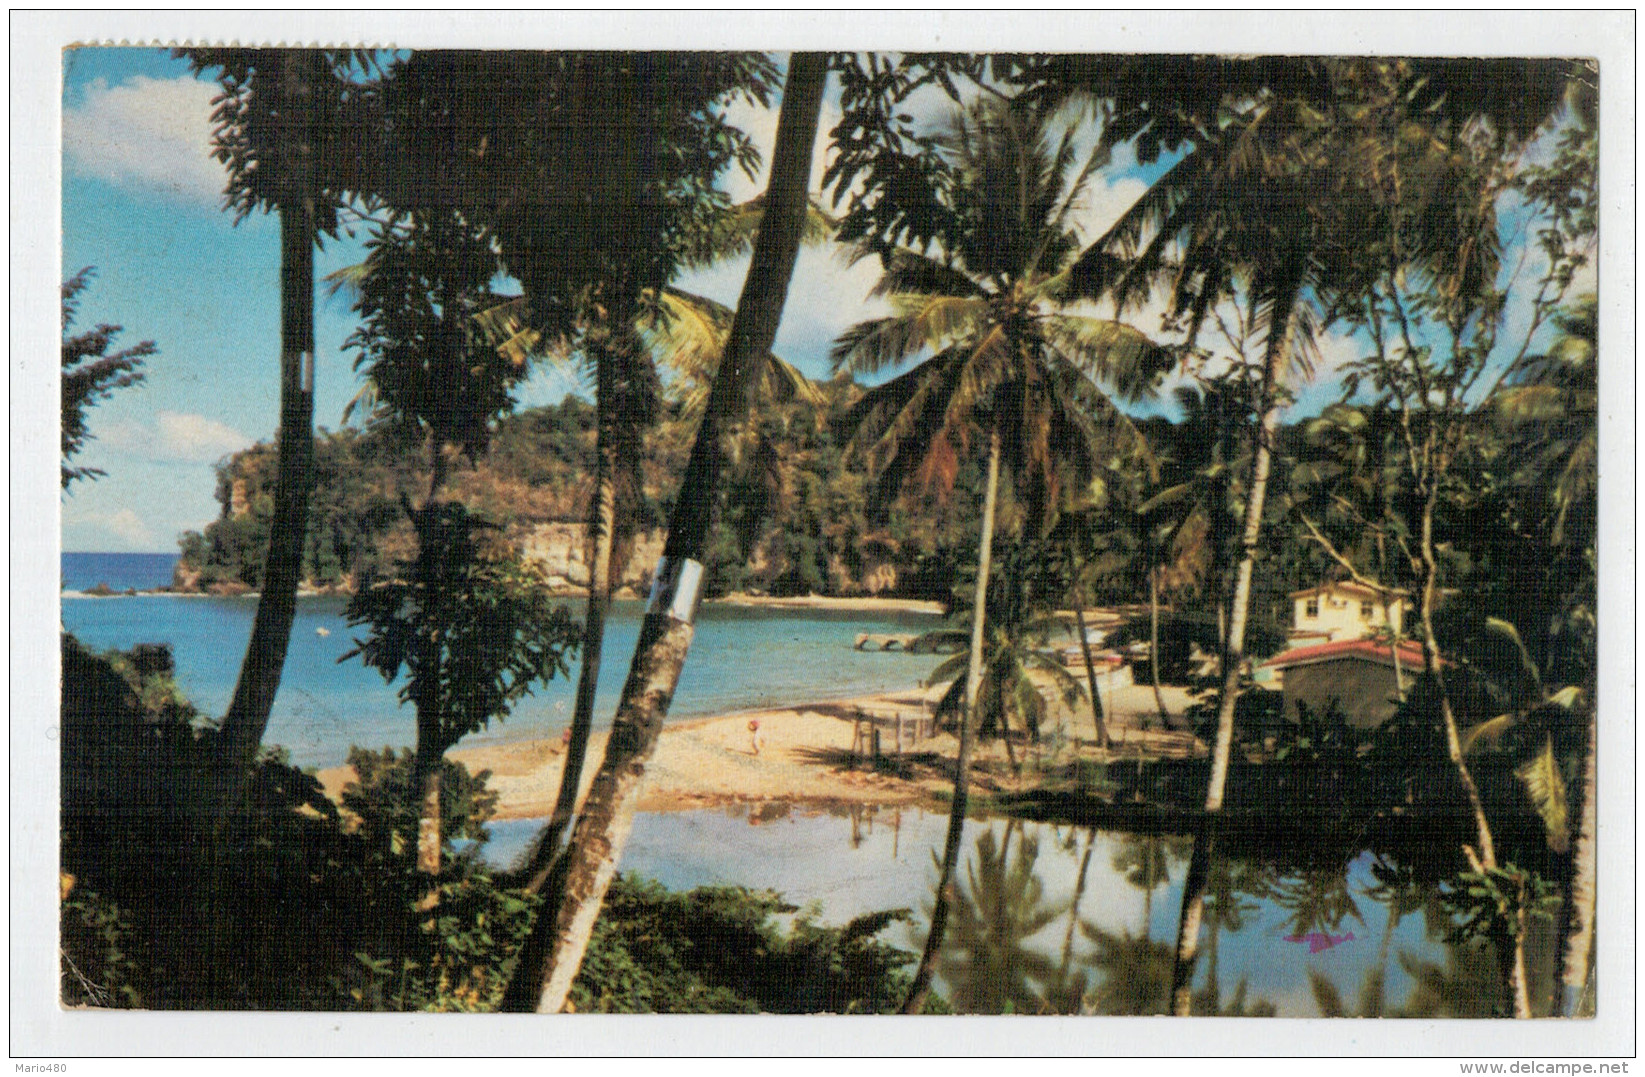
(718, 950)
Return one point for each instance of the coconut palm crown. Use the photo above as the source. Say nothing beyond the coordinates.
(988, 306)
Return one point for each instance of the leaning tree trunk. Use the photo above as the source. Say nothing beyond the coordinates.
(1193, 892)
(1091, 678)
(921, 986)
(606, 565)
(554, 952)
(1576, 945)
(259, 680)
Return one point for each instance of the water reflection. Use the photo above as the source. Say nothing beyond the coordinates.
(987, 958)
(1057, 919)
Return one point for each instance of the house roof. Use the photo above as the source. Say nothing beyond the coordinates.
(1364, 650)
(1350, 587)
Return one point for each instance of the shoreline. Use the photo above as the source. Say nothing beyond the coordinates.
(805, 757)
(843, 604)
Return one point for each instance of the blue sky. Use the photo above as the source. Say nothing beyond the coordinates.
(141, 200)
(141, 203)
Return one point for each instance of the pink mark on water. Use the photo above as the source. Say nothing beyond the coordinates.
(1318, 941)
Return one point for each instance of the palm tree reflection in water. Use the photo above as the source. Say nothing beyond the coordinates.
(1040, 926)
(986, 959)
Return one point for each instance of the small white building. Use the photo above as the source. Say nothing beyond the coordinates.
(1345, 611)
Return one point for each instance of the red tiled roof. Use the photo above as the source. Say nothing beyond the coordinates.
(1410, 653)
(1351, 587)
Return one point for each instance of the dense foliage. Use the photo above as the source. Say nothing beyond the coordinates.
(163, 910)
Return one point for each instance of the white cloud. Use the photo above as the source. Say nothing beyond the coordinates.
(195, 438)
(123, 526)
(175, 438)
(146, 132)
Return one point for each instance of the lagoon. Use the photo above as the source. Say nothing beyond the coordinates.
(1289, 928)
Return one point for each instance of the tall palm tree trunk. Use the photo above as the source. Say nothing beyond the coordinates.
(554, 952)
(1576, 945)
(1277, 359)
(1153, 643)
(1091, 678)
(259, 679)
(921, 986)
(602, 569)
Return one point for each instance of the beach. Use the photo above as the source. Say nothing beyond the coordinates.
(805, 756)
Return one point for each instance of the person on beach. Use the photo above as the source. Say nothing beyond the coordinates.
(754, 738)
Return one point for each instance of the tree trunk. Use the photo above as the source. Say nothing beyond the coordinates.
(602, 536)
(1193, 893)
(1153, 644)
(1483, 855)
(1396, 632)
(921, 986)
(1213, 974)
(1576, 944)
(1074, 906)
(426, 780)
(259, 680)
(554, 952)
(1091, 679)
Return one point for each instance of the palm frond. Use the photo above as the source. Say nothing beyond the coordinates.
(919, 323)
(1506, 631)
(911, 273)
(731, 232)
(1546, 787)
(1111, 351)
(1487, 734)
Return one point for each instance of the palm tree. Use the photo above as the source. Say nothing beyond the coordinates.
(1018, 626)
(1084, 554)
(278, 120)
(1137, 973)
(1006, 364)
(1242, 203)
(1065, 992)
(553, 953)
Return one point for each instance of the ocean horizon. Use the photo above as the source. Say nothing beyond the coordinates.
(82, 570)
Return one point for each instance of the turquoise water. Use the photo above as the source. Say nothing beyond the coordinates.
(846, 863)
(741, 658)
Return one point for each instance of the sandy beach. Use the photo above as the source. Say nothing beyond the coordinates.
(805, 756)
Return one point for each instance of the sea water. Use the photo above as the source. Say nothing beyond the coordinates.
(741, 659)
(116, 571)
